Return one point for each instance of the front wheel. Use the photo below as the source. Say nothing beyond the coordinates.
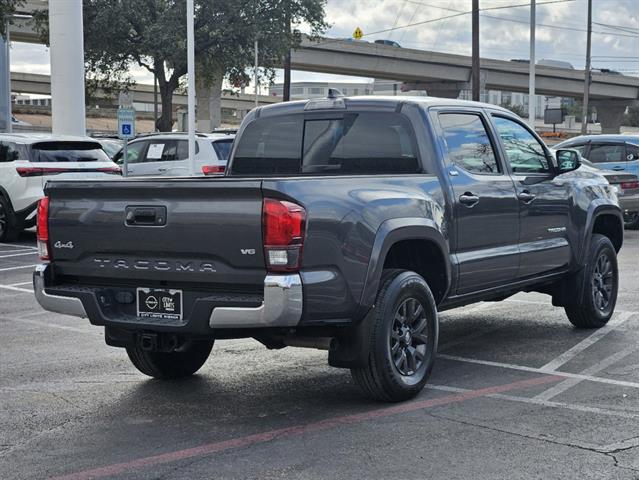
(599, 280)
(182, 362)
(403, 340)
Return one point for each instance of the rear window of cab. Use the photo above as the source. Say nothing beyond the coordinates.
(347, 144)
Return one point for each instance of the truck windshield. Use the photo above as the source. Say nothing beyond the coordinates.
(351, 143)
(68, 152)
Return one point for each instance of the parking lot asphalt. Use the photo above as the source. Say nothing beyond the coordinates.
(516, 393)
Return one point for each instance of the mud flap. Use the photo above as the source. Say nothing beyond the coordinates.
(353, 348)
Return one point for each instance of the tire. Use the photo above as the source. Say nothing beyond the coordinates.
(400, 364)
(599, 282)
(9, 230)
(632, 221)
(181, 363)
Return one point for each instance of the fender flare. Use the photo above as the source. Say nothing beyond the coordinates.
(395, 230)
(596, 210)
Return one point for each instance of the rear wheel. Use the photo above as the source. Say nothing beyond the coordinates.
(599, 280)
(631, 220)
(403, 340)
(8, 224)
(180, 363)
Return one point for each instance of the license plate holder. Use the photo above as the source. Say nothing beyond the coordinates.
(159, 303)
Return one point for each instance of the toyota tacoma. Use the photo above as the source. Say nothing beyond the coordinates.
(343, 224)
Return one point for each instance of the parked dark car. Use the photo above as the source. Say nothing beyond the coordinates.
(344, 224)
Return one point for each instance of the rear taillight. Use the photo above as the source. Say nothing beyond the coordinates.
(629, 185)
(41, 171)
(43, 229)
(284, 226)
(213, 169)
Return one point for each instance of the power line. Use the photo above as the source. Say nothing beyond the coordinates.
(526, 22)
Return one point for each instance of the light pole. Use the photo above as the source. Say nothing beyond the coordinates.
(476, 69)
(5, 82)
(584, 120)
(257, 46)
(531, 74)
(67, 68)
(190, 60)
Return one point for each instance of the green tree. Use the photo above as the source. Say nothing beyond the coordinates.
(7, 8)
(151, 34)
(516, 109)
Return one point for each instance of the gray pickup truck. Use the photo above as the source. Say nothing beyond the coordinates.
(343, 224)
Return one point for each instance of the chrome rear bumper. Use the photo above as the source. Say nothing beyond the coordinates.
(55, 303)
(282, 306)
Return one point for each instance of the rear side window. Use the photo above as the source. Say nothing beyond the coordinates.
(469, 145)
(606, 153)
(223, 148)
(9, 152)
(352, 143)
(68, 152)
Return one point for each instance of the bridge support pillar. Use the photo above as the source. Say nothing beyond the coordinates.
(610, 114)
(209, 102)
(437, 89)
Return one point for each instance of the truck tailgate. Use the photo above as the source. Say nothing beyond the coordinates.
(168, 232)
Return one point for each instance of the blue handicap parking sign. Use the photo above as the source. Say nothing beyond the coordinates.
(126, 129)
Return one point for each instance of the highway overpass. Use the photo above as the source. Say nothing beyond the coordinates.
(31, 83)
(440, 74)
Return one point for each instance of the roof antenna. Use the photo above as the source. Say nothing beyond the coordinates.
(334, 93)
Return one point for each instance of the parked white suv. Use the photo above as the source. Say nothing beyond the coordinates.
(27, 161)
(167, 154)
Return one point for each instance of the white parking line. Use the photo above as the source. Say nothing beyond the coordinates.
(523, 368)
(50, 325)
(16, 289)
(21, 284)
(593, 338)
(560, 388)
(543, 403)
(17, 268)
(21, 254)
(13, 245)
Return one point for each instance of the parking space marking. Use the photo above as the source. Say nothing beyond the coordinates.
(16, 289)
(21, 284)
(13, 245)
(593, 338)
(523, 368)
(545, 403)
(49, 325)
(560, 388)
(17, 268)
(20, 254)
(298, 430)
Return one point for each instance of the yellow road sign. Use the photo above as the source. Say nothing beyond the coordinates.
(358, 34)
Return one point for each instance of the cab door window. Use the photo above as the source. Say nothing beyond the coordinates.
(524, 153)
(468, 143)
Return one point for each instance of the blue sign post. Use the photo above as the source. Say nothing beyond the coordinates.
(126, 131)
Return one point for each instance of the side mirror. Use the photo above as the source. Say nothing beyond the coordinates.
(568, 160)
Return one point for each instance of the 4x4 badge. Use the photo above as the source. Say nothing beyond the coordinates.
(59, 244)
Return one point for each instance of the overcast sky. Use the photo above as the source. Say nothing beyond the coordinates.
(504, 31)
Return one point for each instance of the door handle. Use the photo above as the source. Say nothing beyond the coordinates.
(617, 168)
(161, 169)
(469, 199)
(526, 196)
